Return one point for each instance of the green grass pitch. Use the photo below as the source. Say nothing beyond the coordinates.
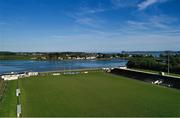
(95, 94)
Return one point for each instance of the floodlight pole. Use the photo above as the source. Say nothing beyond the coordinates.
(168, 63)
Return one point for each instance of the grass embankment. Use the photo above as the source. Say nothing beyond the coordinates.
(156, 72)
(9, 101)
(96, 94)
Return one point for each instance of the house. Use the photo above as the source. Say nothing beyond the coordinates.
(80, 58)
(43, 58)
(91, 57)
(69, 57)
(60, 58)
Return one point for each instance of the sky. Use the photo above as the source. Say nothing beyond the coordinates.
(89, 25)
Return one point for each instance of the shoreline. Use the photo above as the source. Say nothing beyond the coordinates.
(123, 59)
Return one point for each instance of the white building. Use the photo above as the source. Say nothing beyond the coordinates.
(80, 58)
(15, 76)
(56, 74)
(90, 57)
(33, 73)
(9, 77)
(107, 69)
(60, 58)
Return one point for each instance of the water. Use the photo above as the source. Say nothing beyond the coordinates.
(39, 66)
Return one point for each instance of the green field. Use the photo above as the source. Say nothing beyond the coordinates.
(9, 101)
(96, 94)
(93, 94)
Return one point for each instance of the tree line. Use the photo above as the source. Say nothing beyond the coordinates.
(57, 55)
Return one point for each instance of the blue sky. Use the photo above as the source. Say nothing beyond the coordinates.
(89, 25)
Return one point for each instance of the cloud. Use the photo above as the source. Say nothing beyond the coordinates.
(86, 21)
(152, 23)
(114, 40)
(92, 21)
(124, 3)
(86, 10)
(88, 16)
(146, 3)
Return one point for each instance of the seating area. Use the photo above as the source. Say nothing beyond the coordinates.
(168, 81)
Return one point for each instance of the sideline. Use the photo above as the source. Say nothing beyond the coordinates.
(86, 69)
(18, 95)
